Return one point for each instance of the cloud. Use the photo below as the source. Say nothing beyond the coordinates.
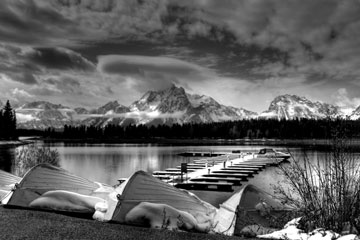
(135, 115)
(315, 36)
(343, 100)
(144, 72)
(137, 65)
(27, 65)
(275, 45)
(124, 19)
(35, 23)
(64, 84)
(59, 58)
(21, 92)
(20, 96)
(24, 77)
(15, 66)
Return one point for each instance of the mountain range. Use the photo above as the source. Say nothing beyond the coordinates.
(170, 106)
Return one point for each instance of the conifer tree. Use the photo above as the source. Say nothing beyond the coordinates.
(8, 122)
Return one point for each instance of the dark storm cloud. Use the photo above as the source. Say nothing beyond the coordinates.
(60, 58)
(27, 65)
(138, 65)
(23, 77)
(146, 72)
(302, 36)
(33, 22)
(15, 66)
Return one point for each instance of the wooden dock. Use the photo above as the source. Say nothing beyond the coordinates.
(201, 154)
(217, 171)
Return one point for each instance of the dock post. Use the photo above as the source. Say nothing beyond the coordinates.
(183, 170)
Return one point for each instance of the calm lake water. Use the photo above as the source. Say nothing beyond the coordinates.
(108, 162)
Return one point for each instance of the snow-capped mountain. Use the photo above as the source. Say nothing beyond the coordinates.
(169, 100)
(206, 109)
(41, 114)
(168, 106)
(295, 107)
(355, 115)
(110, 113)
(174, 105)
(81, 110)
(110, 108)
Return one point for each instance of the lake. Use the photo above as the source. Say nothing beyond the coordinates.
(108, 162)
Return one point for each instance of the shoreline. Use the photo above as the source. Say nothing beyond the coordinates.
(241, 142)
(13, 143)
(321, 144)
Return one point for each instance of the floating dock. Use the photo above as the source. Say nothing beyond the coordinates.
(201, 154)
(220, 171)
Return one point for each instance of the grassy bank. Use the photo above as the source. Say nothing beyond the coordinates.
(28, 224)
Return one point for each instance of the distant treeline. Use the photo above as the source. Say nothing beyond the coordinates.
(252, 129)
(7, 123)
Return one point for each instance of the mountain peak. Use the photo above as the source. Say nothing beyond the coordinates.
(110, 108)
(171, 100)
(197, 100)
(174, 89)
(292, 107)
(112, 104)
(44, 105)
(288, 98)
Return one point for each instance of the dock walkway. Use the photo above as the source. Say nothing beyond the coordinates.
(220, 173)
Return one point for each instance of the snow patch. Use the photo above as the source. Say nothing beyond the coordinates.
(22, 117)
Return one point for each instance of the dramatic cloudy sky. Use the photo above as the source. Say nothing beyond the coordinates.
(242, 52)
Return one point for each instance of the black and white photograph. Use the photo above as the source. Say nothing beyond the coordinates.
(180, 119)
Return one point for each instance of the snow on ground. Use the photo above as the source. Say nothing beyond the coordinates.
(291, 232)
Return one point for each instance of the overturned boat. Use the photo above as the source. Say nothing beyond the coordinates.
(271, 153)
(141, 200)
(161, 199)
(48, 187)
(248, 206)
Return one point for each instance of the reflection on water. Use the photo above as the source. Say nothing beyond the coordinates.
(6, 158)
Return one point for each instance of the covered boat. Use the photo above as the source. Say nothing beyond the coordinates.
(248, 206)
(271, 153)
(143, 187)
(7, 183)
(52, 188)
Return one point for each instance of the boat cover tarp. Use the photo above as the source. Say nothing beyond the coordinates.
(45, 177)
(143, 187)
(232, 215)
(8, 178)
(7, 181)
(226, 216)
(257, 206)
